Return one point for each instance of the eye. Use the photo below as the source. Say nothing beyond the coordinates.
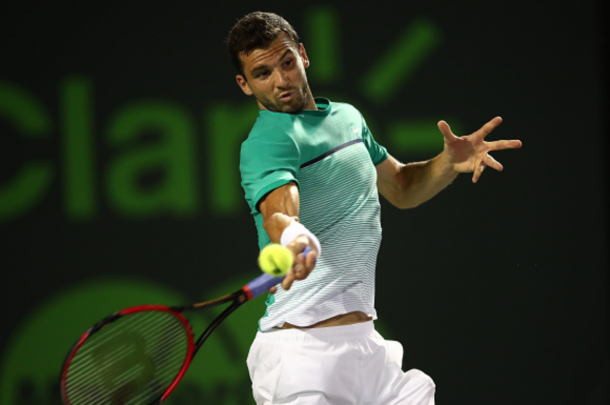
(288, 62)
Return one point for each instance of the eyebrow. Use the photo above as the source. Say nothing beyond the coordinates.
(261, 67)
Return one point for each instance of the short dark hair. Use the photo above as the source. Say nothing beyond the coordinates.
(255, 31)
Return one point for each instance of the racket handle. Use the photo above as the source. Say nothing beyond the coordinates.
(264, 282)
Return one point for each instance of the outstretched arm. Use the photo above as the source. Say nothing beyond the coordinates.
(280, 208)
(407, 186)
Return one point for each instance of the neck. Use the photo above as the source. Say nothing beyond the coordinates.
(311, 103)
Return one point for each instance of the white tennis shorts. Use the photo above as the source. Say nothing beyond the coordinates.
(337, 365)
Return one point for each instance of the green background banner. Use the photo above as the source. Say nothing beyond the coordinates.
(120, 130)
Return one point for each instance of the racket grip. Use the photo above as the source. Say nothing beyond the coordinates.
(261, 284)
(264, 282)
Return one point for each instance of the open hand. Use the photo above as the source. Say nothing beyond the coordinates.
(470, 153)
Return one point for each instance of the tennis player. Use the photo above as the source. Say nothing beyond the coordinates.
(312, 174)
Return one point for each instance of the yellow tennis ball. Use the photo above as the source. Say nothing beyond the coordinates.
(275, 259)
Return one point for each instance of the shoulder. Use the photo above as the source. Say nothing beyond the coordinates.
(345, 107)
(270, 123)
(271, 139)
(269, 128)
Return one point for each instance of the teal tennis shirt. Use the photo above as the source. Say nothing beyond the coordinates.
(331, 155)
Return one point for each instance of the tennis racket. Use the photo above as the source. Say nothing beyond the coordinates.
(137, 356)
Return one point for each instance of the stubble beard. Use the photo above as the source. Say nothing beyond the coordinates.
(296, 105)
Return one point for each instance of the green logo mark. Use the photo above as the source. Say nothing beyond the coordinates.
(176, 154)
(33, 179)
(29, 373)
(390, 73)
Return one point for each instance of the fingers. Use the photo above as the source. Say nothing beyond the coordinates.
(482, 132)
(311, 259)
(493, 163)
(490, 126)
(487, 161)
(477, 156)
(287, 282)
(303, 265)
(478, 171)
(502, 145)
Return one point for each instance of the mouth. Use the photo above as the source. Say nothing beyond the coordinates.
(286, 96)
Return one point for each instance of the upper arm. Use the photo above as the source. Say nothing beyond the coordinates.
(269, 160)
(388, 168)
(278, 208)
(388, 180)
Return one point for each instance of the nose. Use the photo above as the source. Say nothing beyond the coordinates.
(281, 79)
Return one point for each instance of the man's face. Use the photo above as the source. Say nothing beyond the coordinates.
(275, 76)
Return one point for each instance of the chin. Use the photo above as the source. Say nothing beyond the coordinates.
(293, 107)
(291, 110)
(298, 107)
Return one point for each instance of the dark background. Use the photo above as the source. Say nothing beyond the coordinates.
(497, 290)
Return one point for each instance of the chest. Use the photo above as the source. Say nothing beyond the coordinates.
(337, 180)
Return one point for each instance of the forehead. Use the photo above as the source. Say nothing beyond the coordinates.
(264, 56)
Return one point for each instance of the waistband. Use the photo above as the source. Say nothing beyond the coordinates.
(328, 334)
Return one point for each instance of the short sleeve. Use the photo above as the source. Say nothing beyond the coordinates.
(267, 161)
(377, 152)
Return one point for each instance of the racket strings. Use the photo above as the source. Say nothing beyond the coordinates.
(131, 361)
(122, 381)
(95, 344)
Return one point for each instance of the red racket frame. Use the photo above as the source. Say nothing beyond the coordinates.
(191, 348)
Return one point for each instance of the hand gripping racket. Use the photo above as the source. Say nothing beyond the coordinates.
(138, 355)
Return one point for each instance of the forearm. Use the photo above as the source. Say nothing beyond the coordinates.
(275, 225)
(279, 209)
(418, 182)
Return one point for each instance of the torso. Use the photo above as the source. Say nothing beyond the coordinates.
(331, 155)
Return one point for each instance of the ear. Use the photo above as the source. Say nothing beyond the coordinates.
(303, 55)
(243, 84)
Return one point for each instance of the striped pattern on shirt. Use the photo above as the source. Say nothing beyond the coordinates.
(336, 157)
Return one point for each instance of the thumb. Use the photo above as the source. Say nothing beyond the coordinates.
(446, 131)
